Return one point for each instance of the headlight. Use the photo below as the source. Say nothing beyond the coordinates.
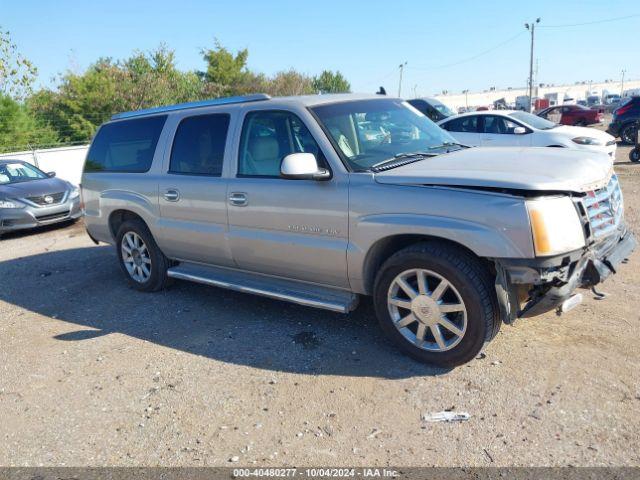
(587, 141)
(75, 193)
(555, 226)
(10, 204)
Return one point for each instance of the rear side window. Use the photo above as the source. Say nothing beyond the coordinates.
(462, 124)
(419, 105)
(198, 147)
(125, 146)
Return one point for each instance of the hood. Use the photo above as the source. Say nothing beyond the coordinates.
(32, 188)
(574, 132)
(542, 169)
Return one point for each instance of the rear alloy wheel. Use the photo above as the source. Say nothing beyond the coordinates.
(135, 256)
(142, 261)
(634, 155)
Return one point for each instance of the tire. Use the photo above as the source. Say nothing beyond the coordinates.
(634, 155)
(151, 256)
(472, 285)
(580, 123)
(627, 134)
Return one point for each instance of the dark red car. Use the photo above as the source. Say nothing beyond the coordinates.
(572, 115)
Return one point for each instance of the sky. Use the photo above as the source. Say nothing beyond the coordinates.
(448, 45)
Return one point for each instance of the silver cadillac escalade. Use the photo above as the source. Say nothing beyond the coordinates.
(320, 200)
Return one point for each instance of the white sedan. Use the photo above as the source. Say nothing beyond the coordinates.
(513, 128)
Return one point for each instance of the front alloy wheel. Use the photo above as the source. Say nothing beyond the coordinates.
(135, 256)
(427, 310)
(436, 302)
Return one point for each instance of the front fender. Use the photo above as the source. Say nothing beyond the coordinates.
(499, 240)
(483, 240)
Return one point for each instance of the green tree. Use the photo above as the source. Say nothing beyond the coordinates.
(227, 74)
(16, 72)
(289, 82)
(330, 82)
(83, 102)
(152, 79)
(19, 129)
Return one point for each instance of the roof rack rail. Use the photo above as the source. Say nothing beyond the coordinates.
(182, 106)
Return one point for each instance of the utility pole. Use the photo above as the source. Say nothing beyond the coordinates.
(532, 28)
(401, 66)
(622, 83)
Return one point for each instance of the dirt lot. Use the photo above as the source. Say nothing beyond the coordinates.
(93, 373)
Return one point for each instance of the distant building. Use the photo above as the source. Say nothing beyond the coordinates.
(556, 94)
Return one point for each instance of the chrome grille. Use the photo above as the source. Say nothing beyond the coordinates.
(42, 199)
(604, 208)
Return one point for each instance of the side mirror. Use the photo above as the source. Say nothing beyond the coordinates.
(51, 174)
(519, 130)
(302, 166)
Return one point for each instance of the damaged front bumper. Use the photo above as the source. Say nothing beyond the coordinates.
(530, 287)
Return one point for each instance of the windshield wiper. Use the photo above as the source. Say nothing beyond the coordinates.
(401, 159)
(449, 144)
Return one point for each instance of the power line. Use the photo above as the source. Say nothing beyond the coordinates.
(469, 59)
(595, 22)
(382, 79)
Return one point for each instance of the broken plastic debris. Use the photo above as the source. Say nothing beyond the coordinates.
(445, 417)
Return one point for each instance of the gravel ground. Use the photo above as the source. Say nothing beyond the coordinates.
(95, 374)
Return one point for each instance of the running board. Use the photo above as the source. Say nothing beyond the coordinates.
(273, 287)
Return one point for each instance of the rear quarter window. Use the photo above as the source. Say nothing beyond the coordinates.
(125, 146)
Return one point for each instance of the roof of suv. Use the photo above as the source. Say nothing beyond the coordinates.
(306, 100)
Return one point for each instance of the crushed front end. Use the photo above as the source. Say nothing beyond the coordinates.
(530, 287)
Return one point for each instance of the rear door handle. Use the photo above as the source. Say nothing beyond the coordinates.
(172, 195)
(238, 199)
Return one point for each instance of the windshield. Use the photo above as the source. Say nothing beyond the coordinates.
(14, 172)
(368, 132)
(442, 108)
(533, 120)
(625, 100)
